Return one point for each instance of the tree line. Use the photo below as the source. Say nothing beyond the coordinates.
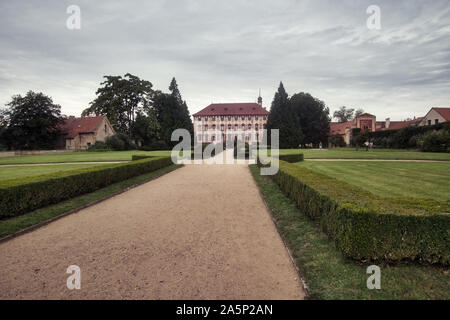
(302, 119)
(136, 111)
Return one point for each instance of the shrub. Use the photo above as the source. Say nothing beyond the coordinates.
(136, 157)
(120, 142)
(19, 196)
(292, 158)
(434, 141)
(367, 227)
(99, 146)
(336, 141)
(155, 146)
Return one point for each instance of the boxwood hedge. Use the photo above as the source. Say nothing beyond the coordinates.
(19, 196)
(367, 227)
(136, 157)
(292, 158)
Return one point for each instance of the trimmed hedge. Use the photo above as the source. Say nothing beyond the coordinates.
(291, 158)
(136, 157)
(19, 196)
(366, 227)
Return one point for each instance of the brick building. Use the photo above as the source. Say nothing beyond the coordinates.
(80, 133)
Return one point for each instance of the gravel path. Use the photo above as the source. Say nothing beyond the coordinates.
(200, 232)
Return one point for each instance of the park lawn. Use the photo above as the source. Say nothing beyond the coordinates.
(420, 180)
(81, 156)
(329, 275)
(351, 153)
(8, 173)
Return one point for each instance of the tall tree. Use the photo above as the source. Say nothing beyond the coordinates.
(31, 122)
(282, 117)
(358, 112)
(343, 114)
(172, 112)
(313, 116)
(121, 99)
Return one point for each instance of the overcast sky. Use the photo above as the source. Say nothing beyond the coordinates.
(224, 51)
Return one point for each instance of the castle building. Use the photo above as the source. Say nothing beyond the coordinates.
(221, 122)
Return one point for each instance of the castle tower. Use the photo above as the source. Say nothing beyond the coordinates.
(259, 98)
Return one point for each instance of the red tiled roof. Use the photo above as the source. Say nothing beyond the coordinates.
(225, 109)
(74, 126)
(444, 112)
(396, 125)
(339, 127)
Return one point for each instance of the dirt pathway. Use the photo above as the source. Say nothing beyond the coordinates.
(200, 232)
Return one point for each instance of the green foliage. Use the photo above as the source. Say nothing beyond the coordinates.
(336, 141)
(291, 158)
(343, 114)
(155, 145)
(119, 142)
(98, 146)
(31, 122)
(146, 127)
(23, 195)
(121, 99)
(365, 226)
(283, 117)
(434, 141)
(136, 157)
(313, 118)
(172, 113)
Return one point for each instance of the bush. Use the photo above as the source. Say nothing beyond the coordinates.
(435, 141)
(136, 157)
(99, 146)
(336, 141)
(120, 142)
(292, 158)
(155, 146)
(19, 196)
(366, 227)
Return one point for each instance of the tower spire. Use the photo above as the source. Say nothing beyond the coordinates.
(259, 98)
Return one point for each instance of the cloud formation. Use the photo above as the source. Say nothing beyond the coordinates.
(222, 51)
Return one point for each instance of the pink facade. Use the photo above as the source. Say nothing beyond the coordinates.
(228, 121)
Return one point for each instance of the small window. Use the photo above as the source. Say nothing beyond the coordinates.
(236, 127)
(229, 127)
(199, 118)
(213, 118)
(106, 129)
(243, 118)
(214, 127)
(221, 127)
(436, 121)
(429, 122)
(249, 126)
(213, 138)
(229, 118)
(235, 118)
(249, 118)
(206, 127)
(221, 118)
(243, 126)
(256, 126)
(256, 117)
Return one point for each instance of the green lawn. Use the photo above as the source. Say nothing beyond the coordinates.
(331, 276)
(422, 180)
(82, 156)
(12, 225)
(350, 153)
(7, 173)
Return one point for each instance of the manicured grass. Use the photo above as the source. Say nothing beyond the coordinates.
(350, 153)
(82, 156)
(422, 180)
(7, 173)
(329, 275)
(16, 224)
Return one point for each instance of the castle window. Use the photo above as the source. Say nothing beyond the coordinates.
(221, 118)
(229, 118)
(256, 117)
(221, 127)
(235, 118)
(249, 126)
(229, 127)
(256, 126)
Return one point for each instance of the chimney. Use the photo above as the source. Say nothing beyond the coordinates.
(388, 123)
